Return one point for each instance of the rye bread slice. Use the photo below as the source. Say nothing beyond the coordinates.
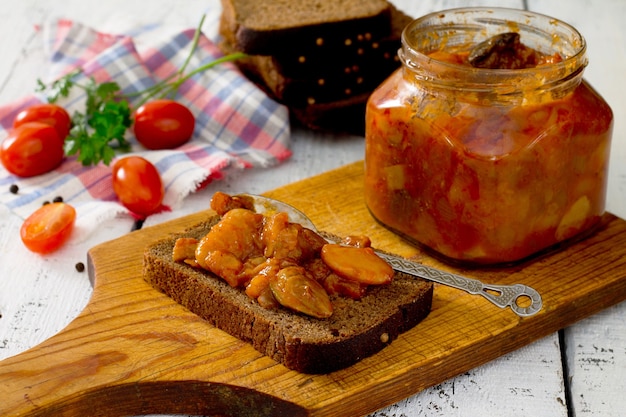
(346, 78)
(345, 116)
(268, 27)
(325, 90)
(356, 330)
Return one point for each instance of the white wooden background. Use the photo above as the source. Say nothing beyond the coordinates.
(578, 372)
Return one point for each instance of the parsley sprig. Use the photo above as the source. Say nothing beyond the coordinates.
(99, 131)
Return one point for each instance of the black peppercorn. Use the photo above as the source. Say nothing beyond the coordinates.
(14, 188)
(80, 267)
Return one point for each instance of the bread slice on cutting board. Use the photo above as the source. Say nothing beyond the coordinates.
(357, 328)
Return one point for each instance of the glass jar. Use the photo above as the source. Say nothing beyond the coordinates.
(487, 166)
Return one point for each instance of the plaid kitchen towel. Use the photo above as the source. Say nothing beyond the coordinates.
(236, 123)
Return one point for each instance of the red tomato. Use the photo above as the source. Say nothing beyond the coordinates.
(31, 149)
(50, 114)
(163, 124)
(138, 185)
(48, 227)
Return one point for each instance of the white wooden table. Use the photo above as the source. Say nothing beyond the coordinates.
(579, 371)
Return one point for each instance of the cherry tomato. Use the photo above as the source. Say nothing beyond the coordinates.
(163, 124)
(138, 185)
(31, 149)
(48, 227)
(50, 114)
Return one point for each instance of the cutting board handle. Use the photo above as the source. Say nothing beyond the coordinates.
(134, 351)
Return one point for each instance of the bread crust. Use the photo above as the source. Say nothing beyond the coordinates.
(272, 27)
(357, 329)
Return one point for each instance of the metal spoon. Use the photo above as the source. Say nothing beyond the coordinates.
(501, 295)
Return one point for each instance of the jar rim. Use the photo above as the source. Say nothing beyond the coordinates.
(415, 56)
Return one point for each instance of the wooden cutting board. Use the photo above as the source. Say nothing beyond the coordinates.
(135, 351)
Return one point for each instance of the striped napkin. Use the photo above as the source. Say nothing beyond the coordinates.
(237, 125)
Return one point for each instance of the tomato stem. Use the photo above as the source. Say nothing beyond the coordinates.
(169, 86)
(194, 45)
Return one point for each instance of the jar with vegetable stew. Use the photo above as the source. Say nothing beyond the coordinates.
(487, 145)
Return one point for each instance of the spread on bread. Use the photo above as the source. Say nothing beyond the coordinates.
(357, 328)
(277, 262)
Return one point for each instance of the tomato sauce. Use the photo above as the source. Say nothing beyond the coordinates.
(485, 181)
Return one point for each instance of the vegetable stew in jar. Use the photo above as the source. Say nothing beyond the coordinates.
(487, 145)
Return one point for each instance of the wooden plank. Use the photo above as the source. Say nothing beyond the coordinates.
(596, 363)
(596, 347)
(132, 336)
(526, 382)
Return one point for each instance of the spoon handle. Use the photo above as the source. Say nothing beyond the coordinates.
(501, 295)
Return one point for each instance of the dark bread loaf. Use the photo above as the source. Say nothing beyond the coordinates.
(341, 115)
(335, 85)
(325, 83)
(270, 27)
(346, 78)
(357, 329)
(362, 51)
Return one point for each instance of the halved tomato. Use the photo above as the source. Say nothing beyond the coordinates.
(48, 227)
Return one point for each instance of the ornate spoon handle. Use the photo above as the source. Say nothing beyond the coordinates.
(501, 295)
